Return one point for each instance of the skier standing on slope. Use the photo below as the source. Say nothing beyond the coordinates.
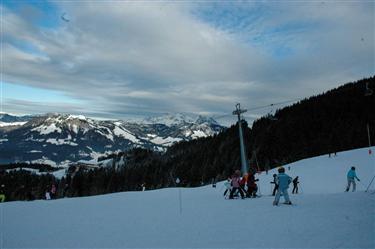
(236, 185)
(351, 176)
(48, 194)
(252, 187)
(2, 193)
(243, 182)
(283, 180)
(228, 186)
(295, 185)
(276, 185)
(53, 191)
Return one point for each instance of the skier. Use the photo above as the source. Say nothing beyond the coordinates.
(276, 185)
(243, 182)
(351, 176)
(283, 180)
(236, 185)
(53, 191)
(252, 187)
(228, 186)
(295, 185)
(48, 195)
(214, 182)
(2, 193)
(66, 188)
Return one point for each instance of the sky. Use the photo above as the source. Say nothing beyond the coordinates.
(121, 59)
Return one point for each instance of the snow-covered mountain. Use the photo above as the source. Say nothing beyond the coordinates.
(63, 138)
(323, 215)
(178, 119)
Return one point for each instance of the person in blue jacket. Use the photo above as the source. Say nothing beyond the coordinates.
(283, 181)
(351, 176)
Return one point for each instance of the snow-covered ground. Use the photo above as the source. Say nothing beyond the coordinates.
(324, 216)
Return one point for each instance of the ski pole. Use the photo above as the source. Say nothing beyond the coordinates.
(370, 183)
(362, 184)
(271, 189)
(300, 188)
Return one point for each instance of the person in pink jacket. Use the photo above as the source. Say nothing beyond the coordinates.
(53, 191)
(236, 185)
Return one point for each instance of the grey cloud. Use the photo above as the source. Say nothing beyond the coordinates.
(148, 57)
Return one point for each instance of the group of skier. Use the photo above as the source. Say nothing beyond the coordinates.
(246, 186)
(51, 192)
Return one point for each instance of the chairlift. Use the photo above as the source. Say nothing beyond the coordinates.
(368, 91)
(63, 17)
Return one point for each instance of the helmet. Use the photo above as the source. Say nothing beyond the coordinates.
(281, 170)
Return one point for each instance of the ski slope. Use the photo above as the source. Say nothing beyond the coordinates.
(324, 216)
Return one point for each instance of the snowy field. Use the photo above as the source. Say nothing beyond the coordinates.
(324, 216)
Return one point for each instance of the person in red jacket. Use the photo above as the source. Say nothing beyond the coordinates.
(243, 182)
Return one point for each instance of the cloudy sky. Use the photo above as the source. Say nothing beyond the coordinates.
(121, 59)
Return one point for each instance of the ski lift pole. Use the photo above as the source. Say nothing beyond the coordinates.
(238, 112)
(369, 139)
(256, 161)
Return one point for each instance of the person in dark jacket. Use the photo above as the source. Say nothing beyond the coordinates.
(276, 185)
(295, 185)
(252, 187)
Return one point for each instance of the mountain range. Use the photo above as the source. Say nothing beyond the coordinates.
(59, 139)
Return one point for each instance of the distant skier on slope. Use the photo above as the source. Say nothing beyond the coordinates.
(351, 176)
(48, 194)
(53, 192)
(283, 181)
(2, 193)
(295, 185)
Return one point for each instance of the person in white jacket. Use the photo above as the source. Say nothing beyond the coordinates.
(228, 186)
(283, 181)
(48, 195)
